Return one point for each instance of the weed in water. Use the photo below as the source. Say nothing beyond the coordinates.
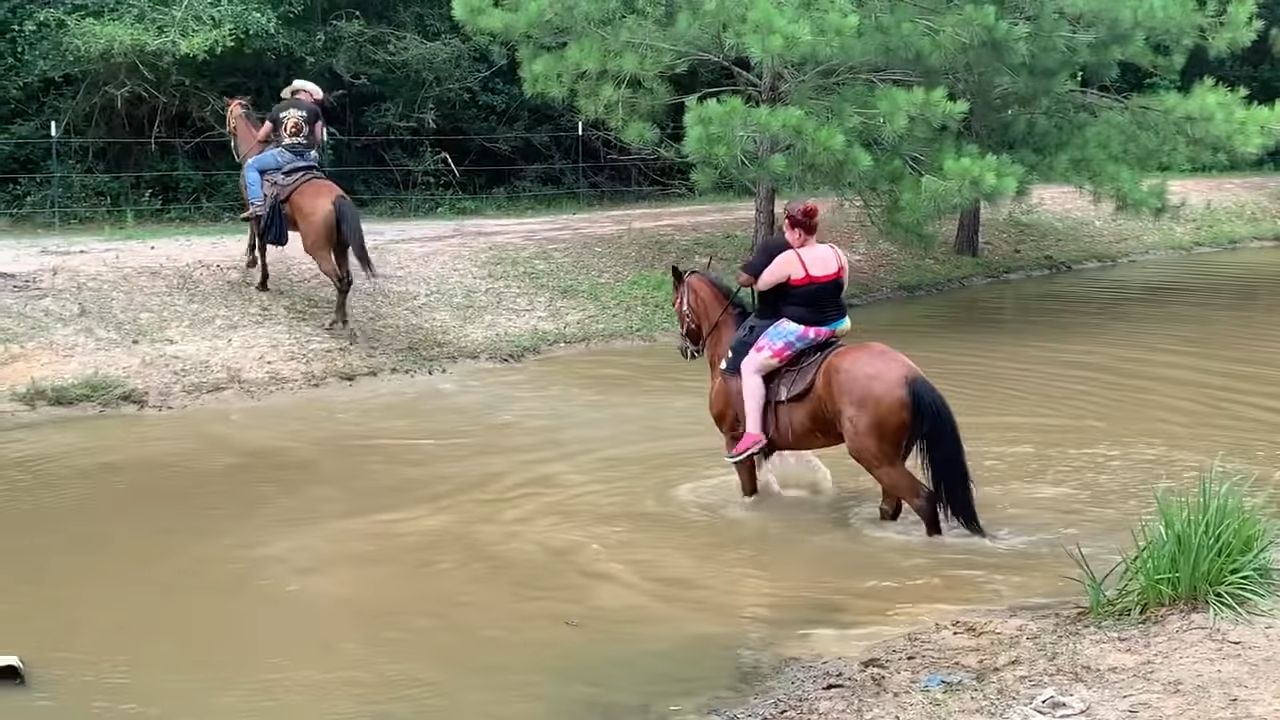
(95, 389)
(1211, 548)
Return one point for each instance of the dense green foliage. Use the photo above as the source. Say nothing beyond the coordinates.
(157, 71)
(1211, 548)
(919, 108)
(922, 109)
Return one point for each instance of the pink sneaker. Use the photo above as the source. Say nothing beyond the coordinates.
(750, 444)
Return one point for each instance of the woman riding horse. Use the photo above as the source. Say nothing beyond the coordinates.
(814, 276)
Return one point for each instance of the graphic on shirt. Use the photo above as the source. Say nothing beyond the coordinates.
(294, 129)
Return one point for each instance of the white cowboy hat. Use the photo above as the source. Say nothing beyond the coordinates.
(305, 86)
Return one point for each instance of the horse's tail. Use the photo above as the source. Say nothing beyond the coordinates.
(935, 434)
(351, 232)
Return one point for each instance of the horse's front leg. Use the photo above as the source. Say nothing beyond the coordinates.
(251, 252)
(262, 256)
(748, 480)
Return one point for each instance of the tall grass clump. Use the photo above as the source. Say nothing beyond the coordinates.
(106, 391)
(1212, 547)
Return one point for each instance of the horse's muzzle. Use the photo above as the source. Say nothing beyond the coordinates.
(689, 352)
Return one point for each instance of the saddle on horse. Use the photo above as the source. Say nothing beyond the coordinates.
(795, 379)
(792, 381)
(277, 187)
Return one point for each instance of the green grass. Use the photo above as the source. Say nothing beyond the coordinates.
(1211, 548)
(96, 389)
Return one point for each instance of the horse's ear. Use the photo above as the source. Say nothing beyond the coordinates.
(677, 276)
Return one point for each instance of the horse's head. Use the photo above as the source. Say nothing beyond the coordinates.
(241, 126)
(692, 342)
(700, 302)
(236, 107)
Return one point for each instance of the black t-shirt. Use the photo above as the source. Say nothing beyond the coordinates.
(768, 302)
(295, 121)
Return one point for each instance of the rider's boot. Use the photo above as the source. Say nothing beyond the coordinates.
(252, 212)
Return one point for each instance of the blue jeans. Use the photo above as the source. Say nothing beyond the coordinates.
(268, 161)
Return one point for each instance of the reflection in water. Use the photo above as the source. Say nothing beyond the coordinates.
(561, 539)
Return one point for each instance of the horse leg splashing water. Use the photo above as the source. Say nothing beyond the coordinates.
(318, 210)
(868, 396)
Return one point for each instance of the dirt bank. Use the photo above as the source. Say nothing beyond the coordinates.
(1035, 665)
(173, 320)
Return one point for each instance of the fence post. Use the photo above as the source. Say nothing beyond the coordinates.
(582, 182)
(53, 146)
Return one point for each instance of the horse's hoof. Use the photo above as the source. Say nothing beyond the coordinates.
(261, 288)
(251, 263)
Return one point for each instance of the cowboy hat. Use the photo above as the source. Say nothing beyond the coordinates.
(304, 86)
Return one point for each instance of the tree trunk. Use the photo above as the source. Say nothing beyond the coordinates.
(766, 196)
(969, 231)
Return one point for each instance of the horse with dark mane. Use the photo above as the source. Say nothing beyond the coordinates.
(867, 395)
(315, 207)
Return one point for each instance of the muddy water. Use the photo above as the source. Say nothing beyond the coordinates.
(560, 539)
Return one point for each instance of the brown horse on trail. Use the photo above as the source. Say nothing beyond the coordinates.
(316, 208)
(866, 395)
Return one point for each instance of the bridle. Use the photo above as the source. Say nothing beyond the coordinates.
(689, 349)
(234, 109)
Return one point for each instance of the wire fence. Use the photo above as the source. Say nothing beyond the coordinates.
(67, 180)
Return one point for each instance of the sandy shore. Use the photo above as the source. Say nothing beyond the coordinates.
(1030, 665)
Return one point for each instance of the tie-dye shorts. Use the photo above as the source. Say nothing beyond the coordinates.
(785, 338)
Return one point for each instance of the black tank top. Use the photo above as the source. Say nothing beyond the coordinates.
(816, 300)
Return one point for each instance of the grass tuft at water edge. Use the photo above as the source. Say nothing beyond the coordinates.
(1209, 548)
(97, 389)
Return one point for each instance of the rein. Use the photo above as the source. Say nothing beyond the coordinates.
(233, 111)
(688, 348)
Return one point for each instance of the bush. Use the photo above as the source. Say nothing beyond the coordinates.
(1211, 548)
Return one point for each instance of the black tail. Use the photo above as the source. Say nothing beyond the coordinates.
(935, 434)
(351, 232)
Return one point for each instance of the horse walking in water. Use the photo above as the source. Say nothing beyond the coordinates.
(866, 395)
(316, 208)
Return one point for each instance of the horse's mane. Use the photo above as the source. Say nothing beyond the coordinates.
(740, 310)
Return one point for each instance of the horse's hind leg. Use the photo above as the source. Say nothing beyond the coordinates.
(890, 504)
(896, 480)
(897, 483)
(341, 282)
(342, 261)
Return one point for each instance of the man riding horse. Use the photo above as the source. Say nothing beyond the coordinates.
(298, 128)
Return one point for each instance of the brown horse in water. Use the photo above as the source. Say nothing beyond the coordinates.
(317, 209)
(866, 395)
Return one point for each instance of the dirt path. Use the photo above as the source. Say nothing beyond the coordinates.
(179, 317)
(21, 254)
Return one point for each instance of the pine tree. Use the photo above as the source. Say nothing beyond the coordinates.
(789, 92)
(922, 109)
(1044, 84)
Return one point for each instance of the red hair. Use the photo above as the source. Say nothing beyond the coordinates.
(802, 216)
